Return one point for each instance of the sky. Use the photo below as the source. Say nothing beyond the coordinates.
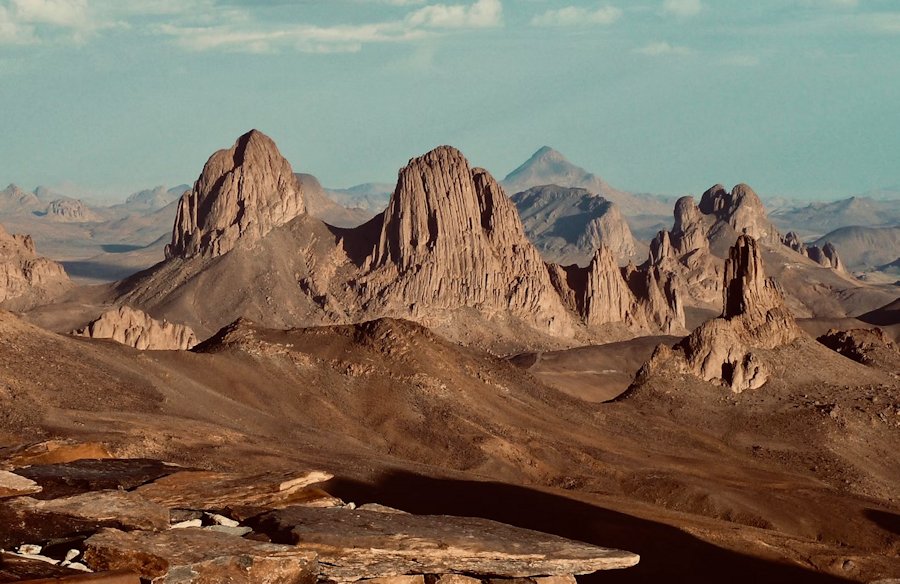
(798, 98)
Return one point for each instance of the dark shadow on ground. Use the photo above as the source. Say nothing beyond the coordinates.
(885, 520)
(120, 247)
(667, 554)
(96, 270)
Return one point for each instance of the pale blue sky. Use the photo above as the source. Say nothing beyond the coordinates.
(795, 97)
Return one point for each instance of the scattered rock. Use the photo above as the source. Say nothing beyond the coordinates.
(16, 568)
(28, 520)
(871, 347)
(354, 545)
(242, 495)
(82, 476)
(138, 329)
(13, 485)
(199, 555)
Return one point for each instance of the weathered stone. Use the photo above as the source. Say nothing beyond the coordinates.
(753, 317)
(13, 485)
(415, 579)
(67, 209)
(16, 568)
(28, 520)
(199, 555)
(50, 452)
(452, 579)
(118, 577)
(354, 545)
(27, 279)
(138, 329)
(871, 347)
(81, 476)
(450, 238)
(243, 192)
(212, 491)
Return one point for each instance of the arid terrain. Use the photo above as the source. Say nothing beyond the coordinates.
(715, 396)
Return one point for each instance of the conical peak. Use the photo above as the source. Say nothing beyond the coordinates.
(548, 153)
(243, 192)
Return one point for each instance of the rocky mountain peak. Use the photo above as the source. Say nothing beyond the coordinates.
(27, 279)
(450, 238)
(243, 193)
(747, 290)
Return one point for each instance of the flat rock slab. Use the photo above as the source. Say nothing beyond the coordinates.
(198, 555)
(213, 491)
(121, 577)
(354, 545)
(28, 520)
(13, 485)
(50, 452)
(82, 476)
(15, 568)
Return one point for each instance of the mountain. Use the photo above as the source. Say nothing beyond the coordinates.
(864, 248)
(549, 167)
(150, 200)
(14, 200)
(27, 279)
(696, 248)
(321, 205)
(567, 225)
(370, 197)
(816, 219)
(449, 251)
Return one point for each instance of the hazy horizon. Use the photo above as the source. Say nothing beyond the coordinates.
(796, 98)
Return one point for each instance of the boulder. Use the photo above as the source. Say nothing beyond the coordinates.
(138, 329)
(199, 555)
(355, 545)
(13, 485)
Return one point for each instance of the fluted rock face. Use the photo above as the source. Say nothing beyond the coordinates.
(451, 238)
(72, 210)
(642, 299)
(27, 279)
(243, 192)
(753, 317)
(138, 329)
(567, 225)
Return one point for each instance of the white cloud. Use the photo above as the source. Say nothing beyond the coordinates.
(481, 14)
(577, 16)
(663, 49)
(13, 32)
(682, 8)
(62, 13)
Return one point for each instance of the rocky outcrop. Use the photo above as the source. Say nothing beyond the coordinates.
(692, 251)
(643, 300)
(567, 225)
(67, 209)
(450, 238)
(27, 279)
(827, 255)
(138, 329)
(872, 347)
(729, 349)
(242, 193)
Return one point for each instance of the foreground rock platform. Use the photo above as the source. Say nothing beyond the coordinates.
(198, 555)
(356, 544)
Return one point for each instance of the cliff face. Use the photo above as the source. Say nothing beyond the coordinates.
(27, 279)
(242, 193)
(451, 238)
(138, 329)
